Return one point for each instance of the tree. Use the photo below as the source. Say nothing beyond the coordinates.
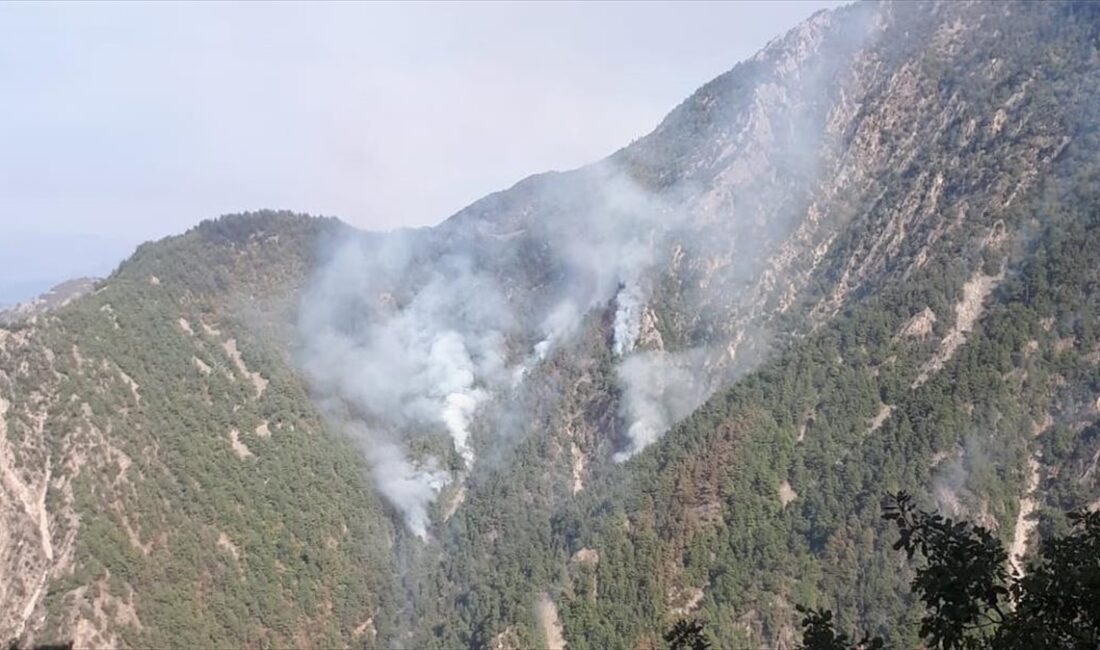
(687, 636)
(974, 601)
(819, 634)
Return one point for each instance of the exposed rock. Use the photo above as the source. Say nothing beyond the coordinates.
(684, 601)
(588, 556)
(579, 460)
(366, 629)
(507, 639)
(239, 447)
(201, 365)
(547, 613)
(258, 381)
(131, 384)
(456, 500)
(787, 495)
(920, 325)
(880, 417)
(228, 546)
(967, 312)
(1025, 522)
(844, 158)
(210, 330)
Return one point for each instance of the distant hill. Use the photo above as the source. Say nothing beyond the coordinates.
(673, 384)
(58, 296)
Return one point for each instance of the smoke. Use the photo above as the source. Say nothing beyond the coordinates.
(409, 487)
(410, 337)
(949, 484)
(628, 317)
(563, 321)
(423, 340)
(659, 389)
(452, 383)
(966, 473)
(408, 362)
(610, 251)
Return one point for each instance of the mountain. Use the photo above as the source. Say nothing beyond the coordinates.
(155, 435)
(55, 298)
(674, 383)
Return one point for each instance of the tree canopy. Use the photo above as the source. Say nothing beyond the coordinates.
(974, 599)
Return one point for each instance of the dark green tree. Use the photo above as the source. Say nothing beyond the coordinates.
(964, 580)
(818, 633)
(973, 600)
(687, 635)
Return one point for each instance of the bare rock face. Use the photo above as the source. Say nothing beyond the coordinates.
(161, 453)
(35, 540)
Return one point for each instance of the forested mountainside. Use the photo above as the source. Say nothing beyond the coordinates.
(676, 383)
(166, 481)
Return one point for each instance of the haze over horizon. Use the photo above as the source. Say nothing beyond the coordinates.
(136, 121)
(630, 325)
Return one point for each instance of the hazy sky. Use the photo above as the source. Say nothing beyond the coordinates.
(126, 122)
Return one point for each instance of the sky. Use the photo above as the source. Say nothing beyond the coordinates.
(126, 122)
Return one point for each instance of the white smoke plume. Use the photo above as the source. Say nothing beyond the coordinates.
(408, 486)
(562, 323)
(404, 366)
(411, 332)
(452, 376)
(628, 317)
(416, 333)
(659, 389)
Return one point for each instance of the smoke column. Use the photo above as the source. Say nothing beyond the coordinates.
(405, 363)
(409, 333)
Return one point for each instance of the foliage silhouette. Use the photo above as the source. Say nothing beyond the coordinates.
(974, 600)
(687, 635)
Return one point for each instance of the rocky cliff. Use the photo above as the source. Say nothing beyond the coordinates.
(673, 383)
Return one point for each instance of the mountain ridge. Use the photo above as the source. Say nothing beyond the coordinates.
(856, 262)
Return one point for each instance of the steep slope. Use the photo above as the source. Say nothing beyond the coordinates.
(928, 182)
(674, 383)
(167, 482)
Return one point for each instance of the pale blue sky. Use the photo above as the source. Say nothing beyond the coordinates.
(127, 122)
